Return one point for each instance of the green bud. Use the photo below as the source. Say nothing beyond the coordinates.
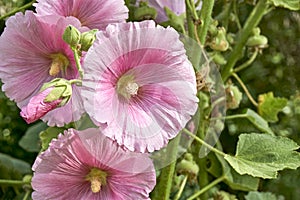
(71, 36)
(233, 96)
(27, 178)
(219, 59)
(87, 39)
(62, 89)
(220, 42)
(188, 166)
(257, 40)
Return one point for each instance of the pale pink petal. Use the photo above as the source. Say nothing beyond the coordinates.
(59, 172)
(26, 45)
(177, 6)
(37, 107)
(91, 13)
(166, 97)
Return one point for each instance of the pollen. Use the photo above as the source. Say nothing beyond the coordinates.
(97, 178)
(59, 63)
(127, 87)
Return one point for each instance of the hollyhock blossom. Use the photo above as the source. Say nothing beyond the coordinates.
(33, 53)
(139, 83)
(88, 165)
(91, 13)
(177, 6)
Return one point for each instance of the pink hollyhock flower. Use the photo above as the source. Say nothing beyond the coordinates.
(37, 107)
(88, 165)
(139, 82)
(33, 53)
(91, 13)
(177, 6)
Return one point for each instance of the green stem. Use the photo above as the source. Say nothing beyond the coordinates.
(230, 117)
(206, 12)
(14, 11)
(206, 188)
(163, 188)
(26, 195)
(252, 21)
(236, 15)
(204, 143)
(245, 89)
(190, 20)
(76, 81)
(12, 182)
(178, 195)
(248, 62)
(77, 61)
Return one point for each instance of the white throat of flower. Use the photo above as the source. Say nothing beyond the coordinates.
(127, 87)
(59, 63)
(97, 178)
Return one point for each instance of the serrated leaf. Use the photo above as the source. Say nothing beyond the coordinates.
(31, 141)
(12, 168)
(269, 106)
(258, 121)
(47, 135)
(261, 196)
(234, 180)
(289, 4)
(262, 155)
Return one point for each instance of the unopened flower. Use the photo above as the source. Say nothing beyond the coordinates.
(87, 165)
(94, 14)
(33, 53)
(139, 82)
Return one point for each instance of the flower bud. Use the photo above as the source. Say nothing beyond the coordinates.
(71, 36)
(233, 96)
(87, 39)
(188, 166)
(220, 42)
(52, 95)
(62, 89)
(257, 40)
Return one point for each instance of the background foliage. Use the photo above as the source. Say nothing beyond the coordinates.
(276, 69)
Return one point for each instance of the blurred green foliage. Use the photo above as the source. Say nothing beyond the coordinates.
(276, 69)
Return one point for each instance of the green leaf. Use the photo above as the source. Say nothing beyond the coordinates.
(258, 121)
(47, 135)
(12, 168)
(234, 180)
(261, 196)
(31, 141)
(289, 4)
(269, 106)
(262, 155)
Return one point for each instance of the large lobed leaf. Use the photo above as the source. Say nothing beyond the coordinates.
(289, 4)
(262, 155)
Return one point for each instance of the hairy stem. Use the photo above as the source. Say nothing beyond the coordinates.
(178, 195)
(252, 21)
(206, 12)
(163, 189)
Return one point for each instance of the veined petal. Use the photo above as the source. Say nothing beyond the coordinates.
(153, 60)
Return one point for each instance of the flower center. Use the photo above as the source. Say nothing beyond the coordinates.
(59, 62)
(127, 87)
(97, 179)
